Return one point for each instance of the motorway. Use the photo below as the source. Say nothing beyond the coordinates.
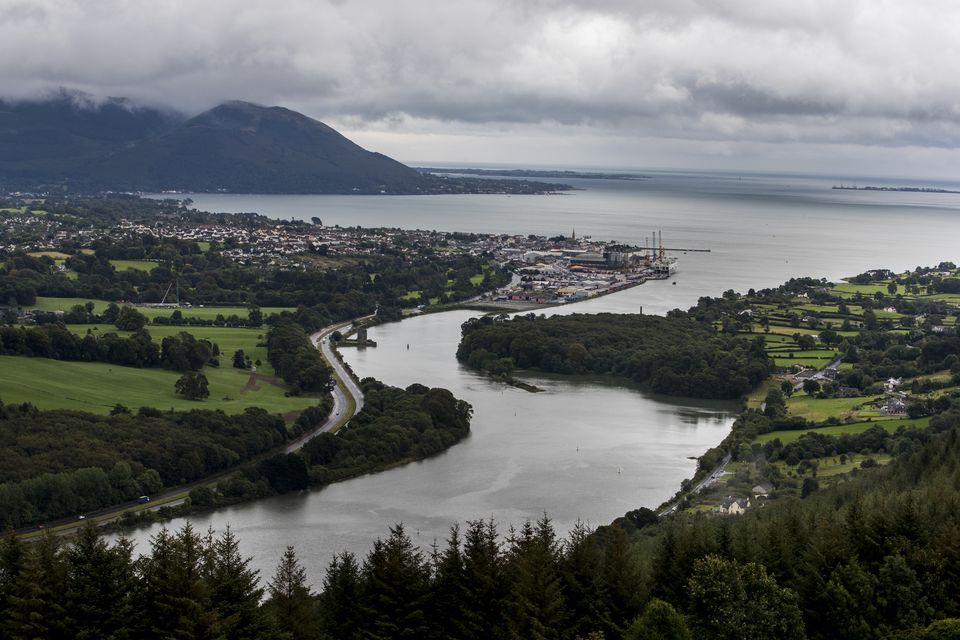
(347, 402)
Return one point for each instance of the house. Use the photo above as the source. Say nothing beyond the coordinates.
(892, 384)
(894, 407)
(731, 506)
(762, 490)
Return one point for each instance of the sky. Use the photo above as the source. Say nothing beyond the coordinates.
(850, 87)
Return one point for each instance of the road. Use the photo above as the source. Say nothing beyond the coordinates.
(713, 477)
(345, 390)
(819, 374)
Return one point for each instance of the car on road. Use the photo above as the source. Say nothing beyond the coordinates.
(143, 499)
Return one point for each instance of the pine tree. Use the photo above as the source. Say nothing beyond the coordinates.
(342, 603)
(535, 609)
(234, 591)
(396, 584)
(173, 599)
(291, 606)
(12, 559)
(99, 586)
(583, 583)
(37, 603)
(485, 582)
(621, 582)
(448, 592)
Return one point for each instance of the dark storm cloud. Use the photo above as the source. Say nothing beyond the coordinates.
(854, 72)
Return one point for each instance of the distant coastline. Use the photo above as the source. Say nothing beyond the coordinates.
(846, 187)
(534, 173)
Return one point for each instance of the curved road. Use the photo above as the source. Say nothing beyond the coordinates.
(345, 389)
(344, 386)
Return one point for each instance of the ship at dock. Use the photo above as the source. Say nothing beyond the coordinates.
(661, 269)
(655, 263)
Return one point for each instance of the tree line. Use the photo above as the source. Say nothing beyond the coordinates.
(182, 352)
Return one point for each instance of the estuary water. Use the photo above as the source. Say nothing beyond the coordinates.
(583, 449)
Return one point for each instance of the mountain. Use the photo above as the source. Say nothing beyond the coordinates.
(75, 142)
(45, 141)
(243, 147)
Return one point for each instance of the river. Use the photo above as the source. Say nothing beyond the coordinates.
(583, 449)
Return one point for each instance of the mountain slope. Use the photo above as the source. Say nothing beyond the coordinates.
(45, 141)
(73, 141)
(242, 147)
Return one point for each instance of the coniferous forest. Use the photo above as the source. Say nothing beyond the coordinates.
(875, 557)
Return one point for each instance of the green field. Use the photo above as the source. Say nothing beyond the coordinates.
(56, 255)
(789, 331)
(813, 363)
(97, 387)
(847, 289)
(831, 466)
(818, 410)
(21, 210)
(135, 265)
(229, 339)
(890, 426)
(207, 313)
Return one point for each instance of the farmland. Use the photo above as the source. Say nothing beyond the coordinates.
(97, 387)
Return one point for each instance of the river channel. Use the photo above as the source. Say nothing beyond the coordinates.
(583, 449)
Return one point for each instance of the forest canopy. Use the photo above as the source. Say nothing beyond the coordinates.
(671, 355)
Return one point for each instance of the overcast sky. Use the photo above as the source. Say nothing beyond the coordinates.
(850, 87)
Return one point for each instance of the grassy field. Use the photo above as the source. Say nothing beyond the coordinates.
(789, 331)
(831, 467)
(229, 339)
(847, 289)
(813, 363)
(22, 210)
(890, 426)
(207, 313)
(56, 255)
(97, 387)
(65, 304)
(756, 397)
(135, 265)
(818, 410)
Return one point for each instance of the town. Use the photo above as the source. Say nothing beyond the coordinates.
(549, 270)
